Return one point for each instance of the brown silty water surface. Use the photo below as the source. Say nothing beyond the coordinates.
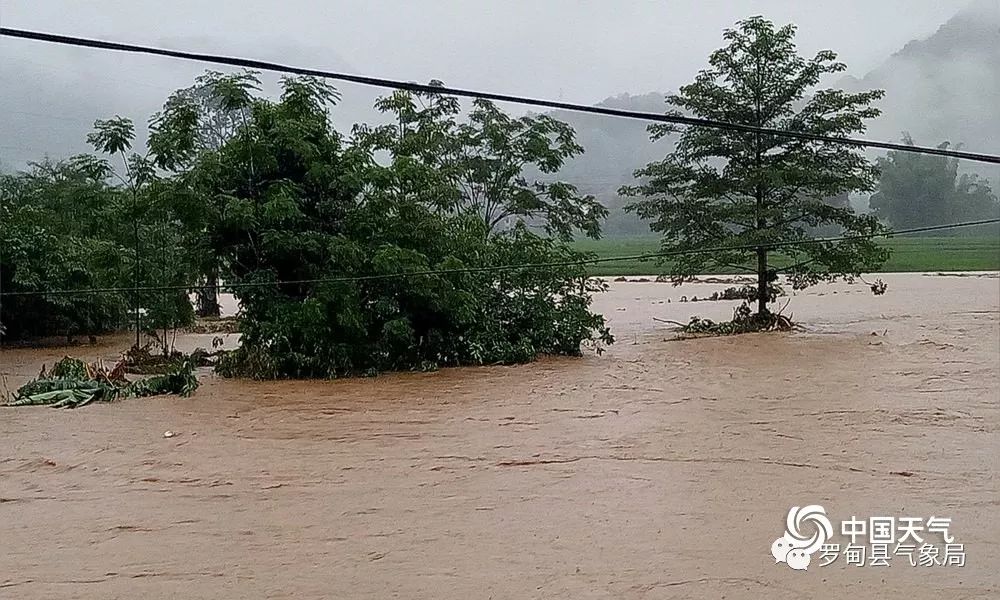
(662, 469)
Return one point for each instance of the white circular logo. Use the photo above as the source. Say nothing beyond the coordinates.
(806, 530)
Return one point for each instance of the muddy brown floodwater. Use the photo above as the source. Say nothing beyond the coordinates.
(662, 469)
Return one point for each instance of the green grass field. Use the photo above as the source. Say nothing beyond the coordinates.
(909, 254)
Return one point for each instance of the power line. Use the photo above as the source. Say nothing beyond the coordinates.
(425, 88)
(499, 268)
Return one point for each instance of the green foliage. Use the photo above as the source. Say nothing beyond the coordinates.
(112, 136)
(202, 117)
(299, 203)
(91, 222)
(917, 190)
(744, 321)
(150, 215)
(194, 120)
(69, 368)
(746, 292)
(732, 188)
(258, 191)
(60, 393)
(480, 166)
(56, 219)
(73, 383)
(179, 379)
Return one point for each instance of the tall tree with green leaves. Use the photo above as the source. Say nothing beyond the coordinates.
(148, 215)
(343, 264)
(728, 188)
(196, 121)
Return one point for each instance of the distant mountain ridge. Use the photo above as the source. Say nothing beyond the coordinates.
(945, 87)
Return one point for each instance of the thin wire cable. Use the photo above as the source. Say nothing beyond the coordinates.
(497, 268)
(424, 88)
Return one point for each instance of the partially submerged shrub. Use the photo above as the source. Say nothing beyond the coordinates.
(348, 265)
(746, 292)
(73, 383)
(744, 321)
(142, 360)
(424, 321)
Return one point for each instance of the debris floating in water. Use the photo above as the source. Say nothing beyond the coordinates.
(72, 383)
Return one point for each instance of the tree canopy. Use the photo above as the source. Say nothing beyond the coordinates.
(348, 254)
(54, 236)
(725, 188)
(482, 163)
(343, 219)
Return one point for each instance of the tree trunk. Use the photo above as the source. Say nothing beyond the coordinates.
(208, 297)
(762, 283)
(135, 270)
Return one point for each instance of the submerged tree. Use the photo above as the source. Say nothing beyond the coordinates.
(749, 191)
(345, 265)
(159, 253)
(57, 219)
(195, 121)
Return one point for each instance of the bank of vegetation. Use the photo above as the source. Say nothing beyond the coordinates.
(391, 246)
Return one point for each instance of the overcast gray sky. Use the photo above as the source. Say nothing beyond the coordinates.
(579, 50)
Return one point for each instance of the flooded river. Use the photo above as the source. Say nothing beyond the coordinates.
(660, 469)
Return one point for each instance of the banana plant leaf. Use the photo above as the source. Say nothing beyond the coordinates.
(72, 383)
